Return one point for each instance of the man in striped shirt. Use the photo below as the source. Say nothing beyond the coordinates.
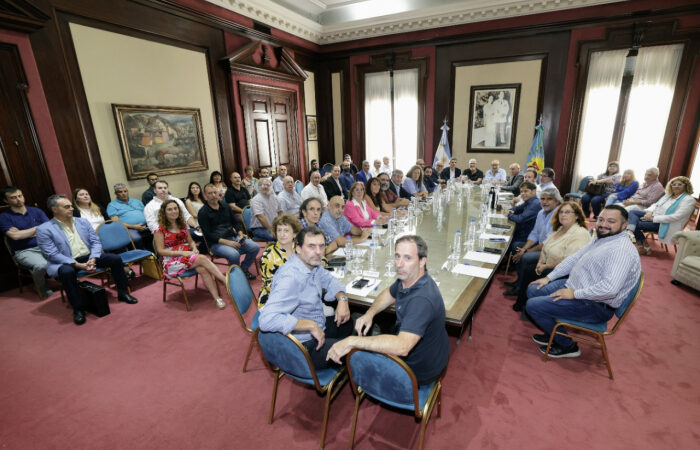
(601, 275)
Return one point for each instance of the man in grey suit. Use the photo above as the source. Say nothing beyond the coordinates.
(514, 180)
(71, 245)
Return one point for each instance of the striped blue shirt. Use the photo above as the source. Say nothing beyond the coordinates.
(296, 294)
(543, 227)
(605, 270)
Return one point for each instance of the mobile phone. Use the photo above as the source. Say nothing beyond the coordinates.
(498, 225)
(359, 284)
(492, 250)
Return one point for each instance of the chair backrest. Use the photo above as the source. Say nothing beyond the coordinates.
(384, 377)
(286, 353)
(582, 185)
(246, 218)
(9, 250)
(630, 300)
(114, 236)
(298, 186)
(239, 290)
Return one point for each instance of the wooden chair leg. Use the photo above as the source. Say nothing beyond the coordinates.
(604, 348)
(358, 399)
(184, 294)
(326, 412)
(276, 381)
(508, 264)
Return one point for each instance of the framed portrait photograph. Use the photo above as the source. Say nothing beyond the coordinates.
(160, 139)
(311, 128)
(493, 118)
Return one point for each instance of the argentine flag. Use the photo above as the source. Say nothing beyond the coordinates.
(443, 150)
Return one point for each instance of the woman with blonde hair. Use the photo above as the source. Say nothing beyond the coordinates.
(413, 183)
(179, 252)
(358, 212)
(626, 189)
(569, 235)
(87, 209)
(285, 228)
(665, 217)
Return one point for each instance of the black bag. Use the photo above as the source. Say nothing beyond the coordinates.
(94, 298)
(595, 189)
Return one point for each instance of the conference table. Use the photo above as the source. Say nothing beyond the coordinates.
(460, 292)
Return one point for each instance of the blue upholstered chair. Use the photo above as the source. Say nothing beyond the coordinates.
(388, 379)
(298, 186)
(247, 216)
(242, 298)
(176, 281)
(285, 355)
(115, 238)
(581, 189)
(598, 330)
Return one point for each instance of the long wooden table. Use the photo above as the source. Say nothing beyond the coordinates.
(461, 293)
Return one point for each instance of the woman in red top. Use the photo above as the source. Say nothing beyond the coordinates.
(179, 252)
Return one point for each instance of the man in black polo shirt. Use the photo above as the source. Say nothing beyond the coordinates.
(217, 223)
(421, 338)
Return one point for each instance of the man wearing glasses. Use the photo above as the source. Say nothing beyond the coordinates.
(601, 275)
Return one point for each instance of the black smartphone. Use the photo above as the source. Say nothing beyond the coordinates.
(498, 225)
(492, 250)
(359, 284)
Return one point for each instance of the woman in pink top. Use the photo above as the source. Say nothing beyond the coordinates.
(358, 212)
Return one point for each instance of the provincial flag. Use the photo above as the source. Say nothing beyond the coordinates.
(536, 156)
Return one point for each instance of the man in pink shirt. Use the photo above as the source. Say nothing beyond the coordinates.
(648, 193)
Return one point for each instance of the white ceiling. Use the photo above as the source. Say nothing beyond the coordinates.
(329, 21)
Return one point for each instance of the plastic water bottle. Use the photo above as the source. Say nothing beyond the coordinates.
(372, 256)
(374, 233)
(348, 250)
(457, 244)
(393, 214)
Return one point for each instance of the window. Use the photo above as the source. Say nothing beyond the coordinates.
(391, 109)
(626, 109)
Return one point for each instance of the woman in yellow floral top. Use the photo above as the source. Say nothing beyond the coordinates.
(286, 227)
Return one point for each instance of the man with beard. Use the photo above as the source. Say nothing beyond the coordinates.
(347, 177)
(390, 199)
(601, 275)
(149, 193)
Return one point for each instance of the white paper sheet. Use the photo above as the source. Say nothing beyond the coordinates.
(472, 271)
(364, 292)
(499, 237)
(482, 257)
(497, 216)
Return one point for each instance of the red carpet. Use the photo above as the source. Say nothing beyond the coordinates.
(154, 376)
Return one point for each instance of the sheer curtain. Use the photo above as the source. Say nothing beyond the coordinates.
(599, 111)
(649, 104)
(377, 116)
(406, 117)
(378, 126)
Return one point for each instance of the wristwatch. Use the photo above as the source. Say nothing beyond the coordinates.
(343, 297)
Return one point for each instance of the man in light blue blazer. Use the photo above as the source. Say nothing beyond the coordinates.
(70, 245)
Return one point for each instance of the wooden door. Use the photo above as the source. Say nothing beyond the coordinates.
(21, 160)
(271, 127)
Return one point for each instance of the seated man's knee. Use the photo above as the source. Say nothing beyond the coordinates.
(67, 271)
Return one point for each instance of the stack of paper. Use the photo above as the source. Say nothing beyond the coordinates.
(483, 257)
(472, 271)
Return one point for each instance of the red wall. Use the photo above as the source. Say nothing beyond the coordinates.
(40, 112)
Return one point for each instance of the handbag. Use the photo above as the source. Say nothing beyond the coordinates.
(94, 298)
(151, 269)
(595, 189)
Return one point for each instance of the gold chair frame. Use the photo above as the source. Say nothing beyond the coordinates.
(423, 415)
(169, 281)
(600, 337)
(330, 391)
(237, 312)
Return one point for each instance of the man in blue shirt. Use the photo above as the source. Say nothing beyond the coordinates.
(19, 224)
(528, 254)
(420, 337)
(347, 179)
(129, 211)
(496, 175)
(295, 303)
(524, 215)
(336, 227)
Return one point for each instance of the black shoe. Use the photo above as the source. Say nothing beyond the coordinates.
(558, 352)
(127, 298)
(511, 283)
(517, 307)
(511, 293)
(132, 274)
(78, 317)
(541, 339)
(249, 275)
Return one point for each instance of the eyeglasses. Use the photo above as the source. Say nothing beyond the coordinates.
(567, 212)
(678, 185)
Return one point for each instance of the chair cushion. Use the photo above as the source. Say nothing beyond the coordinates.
(691, 263)
(600, 327)
(134, 255)
(324, 376)
(189, 273)
(423, 394)
(573, 194)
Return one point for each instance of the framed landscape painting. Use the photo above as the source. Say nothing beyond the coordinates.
(160, 139)
(493, 118)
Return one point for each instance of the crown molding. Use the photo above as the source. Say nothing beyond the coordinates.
(458, 13)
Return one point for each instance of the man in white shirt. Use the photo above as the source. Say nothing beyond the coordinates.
(496, 175)
(278, 183)
(314, 189)
(288, 198)
(546, 178)
(152, 208)
(386, 166)
(377, 168)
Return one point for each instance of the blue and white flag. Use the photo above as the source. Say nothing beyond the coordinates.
(443, 150)
(536, 156)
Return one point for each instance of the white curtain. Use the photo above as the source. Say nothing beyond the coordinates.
(378, 130)
(406, 118)
(599, 110)
(378, 140)
(650, 100)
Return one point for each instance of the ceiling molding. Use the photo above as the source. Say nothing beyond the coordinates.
(273, 14)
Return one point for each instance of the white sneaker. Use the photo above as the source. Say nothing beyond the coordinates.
(220, 303)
